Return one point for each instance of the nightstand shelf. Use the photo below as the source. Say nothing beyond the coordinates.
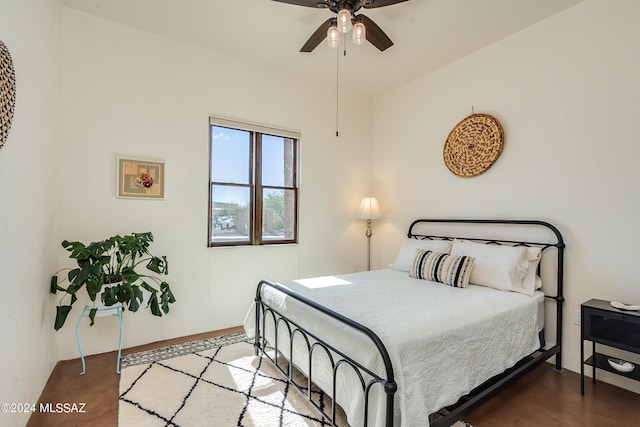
(601, 362)
(609, 326)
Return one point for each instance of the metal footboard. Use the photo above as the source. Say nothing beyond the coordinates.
(368, 379)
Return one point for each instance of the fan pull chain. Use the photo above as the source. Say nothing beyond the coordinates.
(337, 91)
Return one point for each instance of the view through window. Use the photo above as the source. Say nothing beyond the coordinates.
(253, 193)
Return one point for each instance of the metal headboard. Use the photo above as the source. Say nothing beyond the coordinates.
(558, 244)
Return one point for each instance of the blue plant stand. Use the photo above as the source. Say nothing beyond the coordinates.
(115, 311)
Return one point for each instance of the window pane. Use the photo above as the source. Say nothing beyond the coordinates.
(278, 214)
(229, 213)
(277, 161)
(230, 158)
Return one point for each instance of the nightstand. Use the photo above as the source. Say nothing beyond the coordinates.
(603, 324)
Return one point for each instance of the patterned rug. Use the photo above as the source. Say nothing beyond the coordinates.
(214, 382)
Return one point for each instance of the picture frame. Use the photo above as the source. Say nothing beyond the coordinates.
(140, 179)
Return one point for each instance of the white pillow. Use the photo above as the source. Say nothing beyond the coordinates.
(407, 251)
(496, 266)
(531, 281)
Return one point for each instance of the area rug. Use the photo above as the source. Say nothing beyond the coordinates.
(215, 382)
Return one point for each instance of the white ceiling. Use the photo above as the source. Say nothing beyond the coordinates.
(427, 33)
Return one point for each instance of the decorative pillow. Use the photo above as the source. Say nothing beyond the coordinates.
(440, 267)
(496, 266)
(531, 281)
(408, 251)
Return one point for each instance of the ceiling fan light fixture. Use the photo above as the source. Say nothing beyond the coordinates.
(359, 33)
(333, 36)
(344, 20)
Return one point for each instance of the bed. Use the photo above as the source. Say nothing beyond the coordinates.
(455, 318)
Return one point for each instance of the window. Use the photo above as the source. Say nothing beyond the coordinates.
(253, 191)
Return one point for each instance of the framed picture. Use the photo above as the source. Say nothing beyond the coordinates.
(141, 179)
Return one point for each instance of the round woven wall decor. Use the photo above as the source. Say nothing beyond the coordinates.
(7, 92)
(473, 145)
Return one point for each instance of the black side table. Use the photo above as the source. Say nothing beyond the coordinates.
(604, 324)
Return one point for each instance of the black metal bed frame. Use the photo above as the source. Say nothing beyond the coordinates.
(369, 379)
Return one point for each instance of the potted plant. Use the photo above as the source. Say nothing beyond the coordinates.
(108, 270)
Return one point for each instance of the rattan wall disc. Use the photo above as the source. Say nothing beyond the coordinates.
(473, 145)
(7, 92)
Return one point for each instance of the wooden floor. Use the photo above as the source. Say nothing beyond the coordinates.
(543, 397)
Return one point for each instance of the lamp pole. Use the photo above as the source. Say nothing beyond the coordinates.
(368, 234)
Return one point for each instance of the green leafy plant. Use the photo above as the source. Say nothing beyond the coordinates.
(112, 264)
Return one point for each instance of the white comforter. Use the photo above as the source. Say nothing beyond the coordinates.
(443, 341)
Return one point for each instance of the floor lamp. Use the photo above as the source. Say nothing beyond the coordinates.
(369, 209)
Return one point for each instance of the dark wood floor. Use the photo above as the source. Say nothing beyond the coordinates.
(544, 397)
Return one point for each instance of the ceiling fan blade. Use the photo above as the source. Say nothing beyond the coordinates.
(317, 37)
(307, 3)
(375, 35)
(371, 4)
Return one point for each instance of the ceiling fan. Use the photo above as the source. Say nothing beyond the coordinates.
(344, 21)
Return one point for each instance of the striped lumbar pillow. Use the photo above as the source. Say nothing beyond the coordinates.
(452, 270)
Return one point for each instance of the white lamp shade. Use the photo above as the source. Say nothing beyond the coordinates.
(370, 209)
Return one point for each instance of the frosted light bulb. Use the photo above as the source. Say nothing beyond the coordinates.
(359, 33)
(333, 36)
(344, 21)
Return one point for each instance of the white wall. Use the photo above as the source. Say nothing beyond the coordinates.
(31, 31)
(566, 92)
(128, 92)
